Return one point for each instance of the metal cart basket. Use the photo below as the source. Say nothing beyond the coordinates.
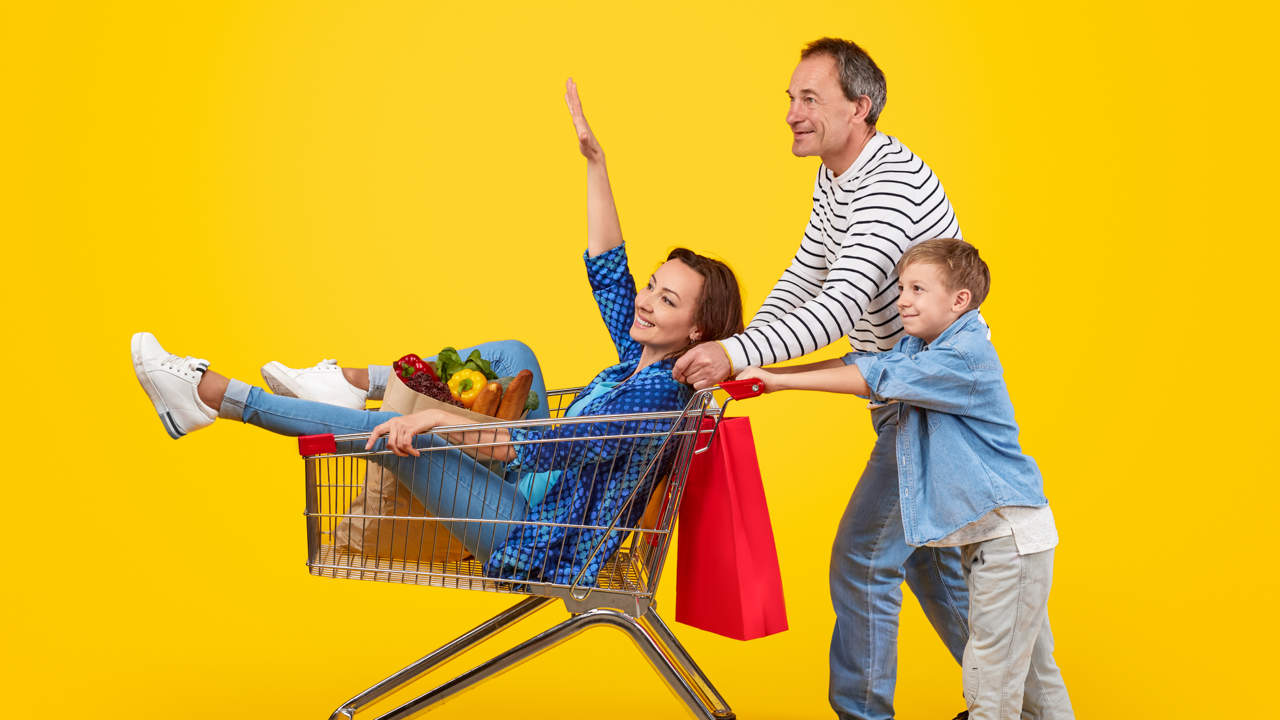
(363, 523)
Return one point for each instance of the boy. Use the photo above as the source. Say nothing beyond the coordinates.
(963, 479)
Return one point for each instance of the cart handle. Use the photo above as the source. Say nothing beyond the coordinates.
(738, 390)
(742, 389)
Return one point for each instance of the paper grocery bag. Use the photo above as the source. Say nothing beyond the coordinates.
(727, 578)
(420, 539)
(399, 398)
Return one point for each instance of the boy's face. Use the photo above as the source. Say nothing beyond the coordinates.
(926, 305)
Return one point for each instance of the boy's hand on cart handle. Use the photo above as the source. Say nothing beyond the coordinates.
(400, 431)
(767, 380)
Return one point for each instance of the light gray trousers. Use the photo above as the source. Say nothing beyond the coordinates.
(1008, 667)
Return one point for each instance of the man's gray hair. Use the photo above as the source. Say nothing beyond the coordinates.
(859, 75)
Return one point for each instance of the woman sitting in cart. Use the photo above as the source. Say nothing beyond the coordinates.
(552, 486)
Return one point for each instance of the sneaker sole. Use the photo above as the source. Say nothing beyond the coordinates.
(278, 382)
(166, 417)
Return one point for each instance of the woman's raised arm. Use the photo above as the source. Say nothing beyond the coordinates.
(604, 231)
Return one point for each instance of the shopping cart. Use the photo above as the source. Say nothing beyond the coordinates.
(605, 571)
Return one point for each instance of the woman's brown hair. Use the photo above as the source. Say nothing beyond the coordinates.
(719, 311)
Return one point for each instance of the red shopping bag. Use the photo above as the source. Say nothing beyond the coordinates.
(727, 579)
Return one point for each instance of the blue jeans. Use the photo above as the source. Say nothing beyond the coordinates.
(448, 482)
(869, 560)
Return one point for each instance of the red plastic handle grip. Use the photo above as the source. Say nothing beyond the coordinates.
(743, 389)
(309, 445)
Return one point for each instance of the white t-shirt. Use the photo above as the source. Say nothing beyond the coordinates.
(1032, 528)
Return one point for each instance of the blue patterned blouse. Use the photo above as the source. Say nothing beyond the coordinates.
(598, 475)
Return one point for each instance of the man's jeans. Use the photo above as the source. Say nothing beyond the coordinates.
(447, 481)
(869, 560)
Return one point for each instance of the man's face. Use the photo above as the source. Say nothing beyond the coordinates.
(821, 117)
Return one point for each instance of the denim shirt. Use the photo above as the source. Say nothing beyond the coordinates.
(957, 442)
(592, 486)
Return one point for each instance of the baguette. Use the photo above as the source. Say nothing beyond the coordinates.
(486, 402)
(517, 393)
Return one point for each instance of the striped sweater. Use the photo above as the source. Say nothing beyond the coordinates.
(842, 280)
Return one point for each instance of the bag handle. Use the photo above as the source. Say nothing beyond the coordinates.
(737, 390)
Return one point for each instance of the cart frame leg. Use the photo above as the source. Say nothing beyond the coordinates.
(463, 642)
(710, 697)
(680, 673)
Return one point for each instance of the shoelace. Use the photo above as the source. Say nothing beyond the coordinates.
(327, 362)
(189, 363)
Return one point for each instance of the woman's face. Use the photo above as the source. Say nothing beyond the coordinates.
(664, 308)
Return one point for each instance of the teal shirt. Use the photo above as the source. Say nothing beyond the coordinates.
(534, 486)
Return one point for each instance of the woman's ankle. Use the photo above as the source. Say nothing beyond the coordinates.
(358, 377)
(212, 388)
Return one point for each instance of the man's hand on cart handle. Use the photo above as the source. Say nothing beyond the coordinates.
(703, 366)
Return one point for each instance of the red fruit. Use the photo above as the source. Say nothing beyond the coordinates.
(411, 364)
(421, 377)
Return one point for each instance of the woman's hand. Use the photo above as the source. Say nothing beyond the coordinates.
(400, 431)
(770, 381)
(587, 143)
(604, 231)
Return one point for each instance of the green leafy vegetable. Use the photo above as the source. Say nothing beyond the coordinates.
(449, 362)
(475, 362)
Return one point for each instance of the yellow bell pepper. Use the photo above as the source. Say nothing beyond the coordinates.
(465, 385)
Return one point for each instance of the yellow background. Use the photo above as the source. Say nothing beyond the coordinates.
(256, 181)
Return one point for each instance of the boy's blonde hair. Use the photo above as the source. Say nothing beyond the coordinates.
(961, 268)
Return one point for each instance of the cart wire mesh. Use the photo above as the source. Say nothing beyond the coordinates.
(611, 483)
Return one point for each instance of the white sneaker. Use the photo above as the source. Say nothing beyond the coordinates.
(170, 381)
(323, 382)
